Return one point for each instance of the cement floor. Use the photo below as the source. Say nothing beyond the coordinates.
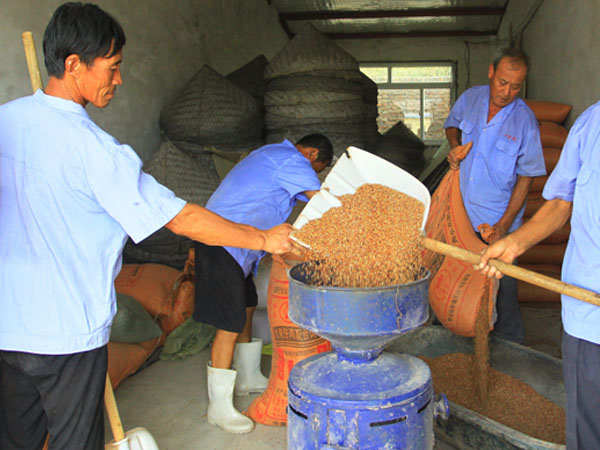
(170, 398)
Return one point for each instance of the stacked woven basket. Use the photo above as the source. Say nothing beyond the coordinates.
(313, 86)
(211, 115)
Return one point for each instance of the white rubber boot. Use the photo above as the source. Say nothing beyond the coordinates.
(221, 411)
(246, 360)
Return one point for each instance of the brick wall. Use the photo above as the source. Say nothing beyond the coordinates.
(404, 104)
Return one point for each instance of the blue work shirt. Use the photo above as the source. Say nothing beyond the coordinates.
(576, 178)
(506, 147)
(261, 190)
(69, 196)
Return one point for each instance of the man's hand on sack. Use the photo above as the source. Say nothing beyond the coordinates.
(457, 154)
(491, 234)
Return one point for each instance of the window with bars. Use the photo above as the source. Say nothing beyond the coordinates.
(419, 94)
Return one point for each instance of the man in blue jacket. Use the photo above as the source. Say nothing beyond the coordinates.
(70, 194)
(495, 176)
(260, 190)
(572, 192)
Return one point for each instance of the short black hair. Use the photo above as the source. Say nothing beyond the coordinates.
(80, 29)
(321, 143)
(511, 53)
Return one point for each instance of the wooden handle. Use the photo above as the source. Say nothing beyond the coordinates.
(112, 411)
(32, 61)
(517, 272)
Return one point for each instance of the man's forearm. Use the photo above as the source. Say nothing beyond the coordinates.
(516, 202)
(549, 218)
(200, 224)
(454, 136)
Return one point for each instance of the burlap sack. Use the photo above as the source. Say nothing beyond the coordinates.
(291, 344)
(549, 111)
(457, 290)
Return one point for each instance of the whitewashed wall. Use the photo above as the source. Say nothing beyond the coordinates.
(167, 43)
(562, 42)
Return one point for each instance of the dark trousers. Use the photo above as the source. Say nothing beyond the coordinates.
(59, 395)
(509, 323)
(581, 369)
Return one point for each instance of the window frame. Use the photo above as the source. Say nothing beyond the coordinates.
(452, 84)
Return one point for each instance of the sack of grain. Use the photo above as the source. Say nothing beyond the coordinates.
(152, 285)
(291, 344)
(552, 134)
(457, 291)
(549, 111)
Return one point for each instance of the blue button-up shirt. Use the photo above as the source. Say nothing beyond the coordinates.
(261, 190)
(69, 196)
(506, 147)
(576, 178)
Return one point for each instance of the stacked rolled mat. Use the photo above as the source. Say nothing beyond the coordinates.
(211, 115)
(313, 86)
(546, 257)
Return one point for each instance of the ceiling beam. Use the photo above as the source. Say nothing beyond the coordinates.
(399, 13)
(411, 34)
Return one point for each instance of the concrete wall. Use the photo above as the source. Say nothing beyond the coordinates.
(427, 49)
(167, 43)
(563, 45)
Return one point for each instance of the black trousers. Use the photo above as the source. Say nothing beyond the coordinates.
(509, 323)
(59, 395)
(581, 366)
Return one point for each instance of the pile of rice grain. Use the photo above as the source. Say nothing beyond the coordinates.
(372, 240)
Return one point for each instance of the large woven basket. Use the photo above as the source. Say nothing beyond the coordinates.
(250, 76)
(319, 81)
(310, 50)
(179, 172)
(211, 109)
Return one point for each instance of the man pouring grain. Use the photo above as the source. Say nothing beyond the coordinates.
(571, 192)
(495, 175)
(260, 190)
(70, 194)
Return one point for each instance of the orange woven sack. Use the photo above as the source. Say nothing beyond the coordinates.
(552, 134)
(531, 293)
(291, 344)
(550, 111)
(551, 157)
(183, 305)
(544, 254)
(150, 284)
(183, 297)
(125, 359)
(456, 291)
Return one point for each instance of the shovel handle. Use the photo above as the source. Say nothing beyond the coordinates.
(529, 276)
(113, 412)
(32, 61)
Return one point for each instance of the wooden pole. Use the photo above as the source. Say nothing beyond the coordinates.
(32, 61)
(529, 276)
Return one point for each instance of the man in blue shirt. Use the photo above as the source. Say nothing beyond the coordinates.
(70, 194)
(260, 190)
(495, 175)
(572, 191)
